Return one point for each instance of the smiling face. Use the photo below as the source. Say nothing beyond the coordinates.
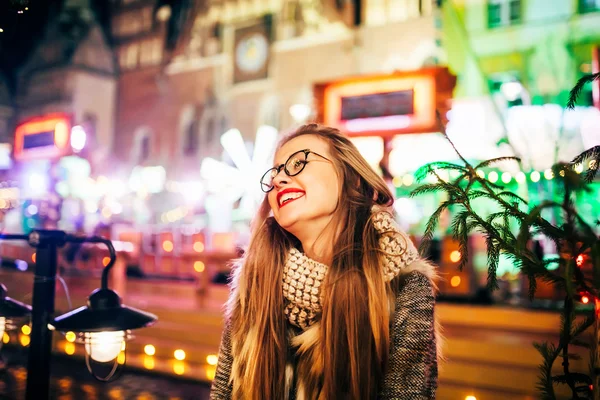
(305, 203)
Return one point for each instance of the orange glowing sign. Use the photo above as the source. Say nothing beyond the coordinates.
(43, 137)
(385, 105)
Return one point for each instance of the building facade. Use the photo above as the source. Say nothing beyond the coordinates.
(72, 71)
(516, 61)
(244, 64)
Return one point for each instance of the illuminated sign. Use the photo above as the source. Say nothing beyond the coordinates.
(385, 105)
(378, 105)
(43, 137)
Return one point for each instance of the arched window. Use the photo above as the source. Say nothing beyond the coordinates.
(89, 124)
(141, 151)
(189, 129)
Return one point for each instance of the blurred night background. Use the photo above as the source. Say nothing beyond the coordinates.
(162, 115)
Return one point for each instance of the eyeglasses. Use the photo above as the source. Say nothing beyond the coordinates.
(292, 167)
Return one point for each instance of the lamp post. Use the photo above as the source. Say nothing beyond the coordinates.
(10, 309)
(103, 318)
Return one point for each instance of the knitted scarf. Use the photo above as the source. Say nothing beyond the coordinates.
(302, 282)
(303, 276)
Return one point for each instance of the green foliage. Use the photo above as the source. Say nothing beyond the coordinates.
(509, 232)
(576, 92)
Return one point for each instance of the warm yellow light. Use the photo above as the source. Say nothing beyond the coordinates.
(104, 346)
(33, 257)
(397, 181)
(455, 256)
(65, 384)
(455, 281)
(520, 177)
(168, 246)
(5, 338)
(592, 164)
(535, 176)
(579, 168)
(211, 372)
(506, 177)
(106, 213)
(470, 398)
(121, 358)
(481, 174)
(149, 362)
(149, 350)
(212, 359)
(70, 348)
(115, 393)
(26, 329)
(548, 174)
(199, 266)
(179, 368)
(70, 336)
(1, 30)
(493, 176)
(407, 180)
(199, 247)
(105, 261)
(179, 355)
(61, 134)
(24, 339)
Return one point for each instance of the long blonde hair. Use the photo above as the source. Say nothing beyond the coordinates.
(355, 295)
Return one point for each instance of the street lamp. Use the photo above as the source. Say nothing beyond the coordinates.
(10, 310)
(103, 325)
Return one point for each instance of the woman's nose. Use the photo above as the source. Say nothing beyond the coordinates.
(281, 178)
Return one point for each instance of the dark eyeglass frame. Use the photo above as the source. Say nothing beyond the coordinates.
(283, 166)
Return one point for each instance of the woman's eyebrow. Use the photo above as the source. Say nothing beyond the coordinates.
(283, 162)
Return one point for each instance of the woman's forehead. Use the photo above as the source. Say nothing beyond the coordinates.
(311, 142)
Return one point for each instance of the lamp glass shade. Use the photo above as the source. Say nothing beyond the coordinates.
(104, 346)
(2, 327)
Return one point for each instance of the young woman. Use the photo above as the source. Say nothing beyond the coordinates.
(331, 300)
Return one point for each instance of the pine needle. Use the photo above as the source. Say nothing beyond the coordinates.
(576, 91)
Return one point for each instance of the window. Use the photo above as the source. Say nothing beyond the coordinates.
(128, 24)
(142, 146)
(189, 126)
(144, 149)
(151, 53)
(586, 6)
(128, 57)
(146, 19)
(503, 13)
(89, 124)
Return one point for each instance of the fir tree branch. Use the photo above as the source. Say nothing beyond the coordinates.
(576, 91)
(592, 154)
(491, 161)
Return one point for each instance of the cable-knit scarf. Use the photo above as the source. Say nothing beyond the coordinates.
(303, 276)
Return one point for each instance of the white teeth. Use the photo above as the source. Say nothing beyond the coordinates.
(290, 196)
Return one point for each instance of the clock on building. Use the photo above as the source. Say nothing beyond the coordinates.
(251, 53)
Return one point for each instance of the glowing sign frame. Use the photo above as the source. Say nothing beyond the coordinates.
(59, 123)
(432, 89)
